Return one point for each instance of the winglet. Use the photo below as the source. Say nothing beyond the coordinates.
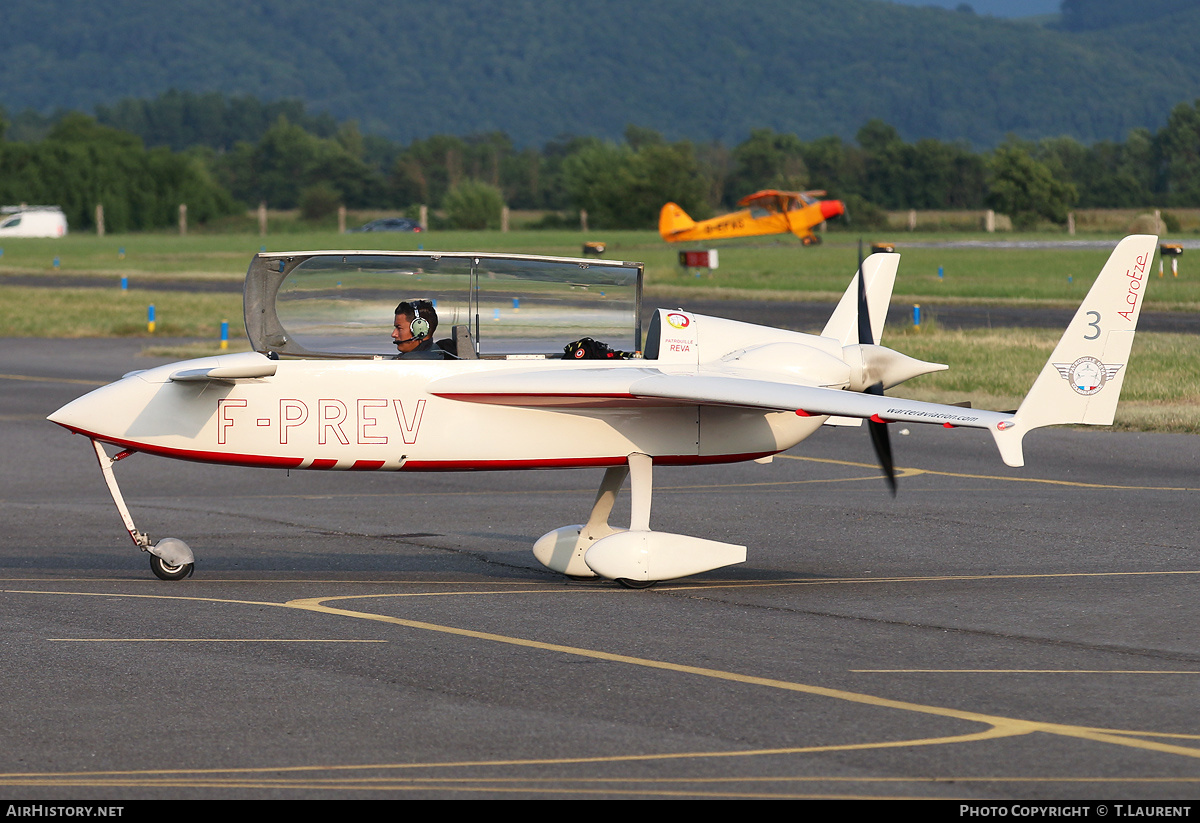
(1081, 382)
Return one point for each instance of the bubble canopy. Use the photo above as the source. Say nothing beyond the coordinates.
(342, 303)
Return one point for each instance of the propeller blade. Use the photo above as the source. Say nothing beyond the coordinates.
(882, 443)
(878, 429)
(864, 313)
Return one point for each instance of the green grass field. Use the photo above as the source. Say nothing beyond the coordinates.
(992, 367)
(768, 268)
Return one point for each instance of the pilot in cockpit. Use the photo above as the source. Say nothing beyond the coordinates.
(416, 322)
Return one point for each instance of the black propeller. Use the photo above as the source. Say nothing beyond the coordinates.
(878, 429)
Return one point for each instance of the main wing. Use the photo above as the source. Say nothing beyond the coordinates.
(640, 387)
(809, 401)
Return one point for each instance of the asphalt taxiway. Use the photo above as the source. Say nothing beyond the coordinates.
(989, 633)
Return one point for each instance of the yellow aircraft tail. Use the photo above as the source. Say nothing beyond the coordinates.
(673, 220)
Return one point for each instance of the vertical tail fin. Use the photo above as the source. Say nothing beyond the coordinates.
(1081, 382)
(672, 220)
(879, 273)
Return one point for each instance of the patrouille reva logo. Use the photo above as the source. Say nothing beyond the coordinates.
(1087, 375)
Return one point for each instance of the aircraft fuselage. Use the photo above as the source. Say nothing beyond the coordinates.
(381, 415)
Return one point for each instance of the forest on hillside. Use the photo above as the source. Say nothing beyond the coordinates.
(536, 69)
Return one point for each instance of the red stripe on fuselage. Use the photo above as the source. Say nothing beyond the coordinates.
(273, 462)
(196, 455)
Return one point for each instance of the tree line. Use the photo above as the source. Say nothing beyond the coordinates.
(143, 158)
(80, 164)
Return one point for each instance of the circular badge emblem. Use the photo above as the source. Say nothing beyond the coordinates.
(1087, 375)
(679, 321)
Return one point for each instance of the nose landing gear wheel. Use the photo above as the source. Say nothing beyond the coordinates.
(635, 584)
(165, 571)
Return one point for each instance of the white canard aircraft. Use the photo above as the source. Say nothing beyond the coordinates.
(321, 390)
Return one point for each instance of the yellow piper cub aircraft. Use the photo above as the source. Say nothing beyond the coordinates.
(766, 212)
(324, 389)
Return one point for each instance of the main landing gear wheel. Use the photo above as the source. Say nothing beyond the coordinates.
(635, 584)
(165, 571)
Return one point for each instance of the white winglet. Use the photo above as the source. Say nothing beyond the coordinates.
(1081, 382)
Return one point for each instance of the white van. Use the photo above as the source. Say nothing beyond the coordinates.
(32, 221)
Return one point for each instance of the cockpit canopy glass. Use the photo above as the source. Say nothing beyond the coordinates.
(341, 304)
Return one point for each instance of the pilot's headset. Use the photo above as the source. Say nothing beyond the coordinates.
(419, 327)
